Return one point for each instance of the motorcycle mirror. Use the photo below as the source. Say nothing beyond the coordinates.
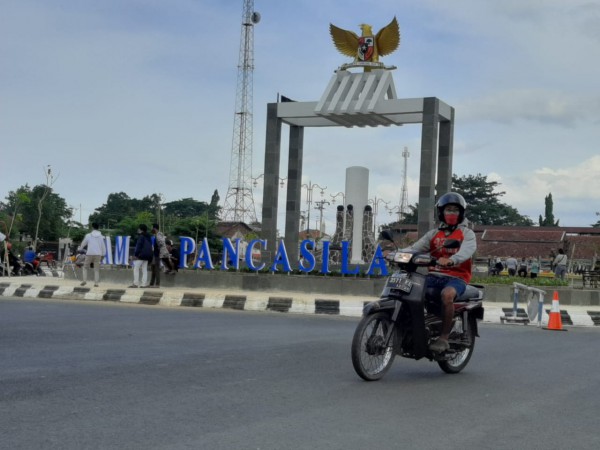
(386, 235)
(451, 243)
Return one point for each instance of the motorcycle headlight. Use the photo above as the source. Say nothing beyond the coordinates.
(401, 257)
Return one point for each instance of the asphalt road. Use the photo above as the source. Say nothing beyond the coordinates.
(86, 375)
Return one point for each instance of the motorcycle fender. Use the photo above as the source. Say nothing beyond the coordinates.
(383, 304)
(473, 316)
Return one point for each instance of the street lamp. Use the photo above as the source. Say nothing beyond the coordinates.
(309, 192)
(334, 196)
(375, 202)
(396, 209)
(255, 180)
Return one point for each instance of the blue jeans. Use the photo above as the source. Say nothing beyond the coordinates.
(560, 272)
(438, 283)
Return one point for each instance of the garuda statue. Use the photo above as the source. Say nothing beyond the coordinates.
(367, 48)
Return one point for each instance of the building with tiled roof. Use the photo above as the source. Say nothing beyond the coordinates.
(582, 245)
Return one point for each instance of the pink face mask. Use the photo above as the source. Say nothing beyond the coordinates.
(451, 219)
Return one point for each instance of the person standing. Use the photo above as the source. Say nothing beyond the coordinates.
(523, 268)
(511, 266)
(560, 264)
(96, 250)
(534, 268)
(142, 255)
(160, 252)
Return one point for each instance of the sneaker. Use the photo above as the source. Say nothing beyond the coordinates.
(133, 286)
(83, 283)
(439, 346)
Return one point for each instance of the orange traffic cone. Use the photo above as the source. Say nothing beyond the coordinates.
(555, 322)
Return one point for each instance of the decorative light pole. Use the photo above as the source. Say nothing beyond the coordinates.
(309, 199)
(339, 194)
(255, 180)
(396, 209)
(375, 202)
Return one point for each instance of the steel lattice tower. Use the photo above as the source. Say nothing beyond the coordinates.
(239, 202)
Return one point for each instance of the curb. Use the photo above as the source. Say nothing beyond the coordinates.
(292, 304)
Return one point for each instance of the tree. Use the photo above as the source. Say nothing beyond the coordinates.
(186, 207)
(548, 220)
(484, 206)
(119, 206)
(10, 212)
(41, 202)
(597, 224)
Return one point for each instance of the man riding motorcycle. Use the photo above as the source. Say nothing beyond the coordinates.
(454, 267)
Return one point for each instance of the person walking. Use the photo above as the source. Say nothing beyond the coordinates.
(560, 264)
(96, 250)
(142, 255)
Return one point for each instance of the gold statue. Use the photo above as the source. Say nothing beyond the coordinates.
(367, 48)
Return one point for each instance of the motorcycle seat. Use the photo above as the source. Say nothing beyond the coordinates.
(472, 293)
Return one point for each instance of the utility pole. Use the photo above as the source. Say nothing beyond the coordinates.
(404, 194)
(320, 205)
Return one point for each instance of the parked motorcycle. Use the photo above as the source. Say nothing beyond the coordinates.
(407, 318)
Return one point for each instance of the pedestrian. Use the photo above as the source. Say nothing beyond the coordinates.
(160, 253)
(534, 268)
(96, 250)
(499, 266)
(523, 268)
(142, 255)
(511, 266)
(560, 264)
(173, 254)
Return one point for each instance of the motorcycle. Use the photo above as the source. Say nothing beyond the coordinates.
(407, 318)
(33, 268)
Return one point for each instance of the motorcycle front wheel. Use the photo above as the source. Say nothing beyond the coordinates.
(371, 358)
(459, 359)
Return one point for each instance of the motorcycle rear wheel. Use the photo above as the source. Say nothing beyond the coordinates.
(370, 357)
(460, 359)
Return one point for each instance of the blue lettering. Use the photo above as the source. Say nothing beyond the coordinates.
(378, 261)
(228, 248)
(306, 256)
(281, 257)
(345, 257)
(250, 250)
(122, 250)
(325, 266)
(204, 256)
(108, 255)
(187, 246)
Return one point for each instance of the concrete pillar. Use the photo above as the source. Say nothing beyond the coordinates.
(294, 191)
(444, 178)
(271, 179)
(357, 193)
(427, 177)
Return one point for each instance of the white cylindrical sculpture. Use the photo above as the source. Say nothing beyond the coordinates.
(357, 193)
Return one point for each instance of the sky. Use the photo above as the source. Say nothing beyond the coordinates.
(138, 96)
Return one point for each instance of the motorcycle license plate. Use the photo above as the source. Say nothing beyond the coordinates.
(400, 282)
